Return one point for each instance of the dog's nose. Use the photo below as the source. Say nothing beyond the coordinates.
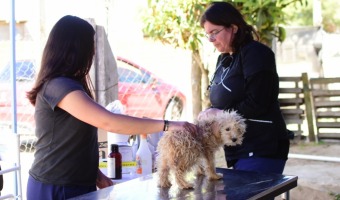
(234, 139)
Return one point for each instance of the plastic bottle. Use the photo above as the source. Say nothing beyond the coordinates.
(144, 157)
(114, 163)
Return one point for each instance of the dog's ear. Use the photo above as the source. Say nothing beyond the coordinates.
(240, 121)
(242, 125)
(215, 128)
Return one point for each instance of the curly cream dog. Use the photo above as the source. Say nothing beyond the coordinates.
(181, 151)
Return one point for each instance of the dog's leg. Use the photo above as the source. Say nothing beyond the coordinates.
(200, 169)
(210, 170)
(180, 178)
(164, 174)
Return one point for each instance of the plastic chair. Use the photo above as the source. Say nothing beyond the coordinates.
(10, 166)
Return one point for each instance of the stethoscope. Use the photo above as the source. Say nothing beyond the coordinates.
(228, 59)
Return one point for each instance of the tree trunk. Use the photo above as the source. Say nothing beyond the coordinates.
(205, 93)
(196, 84)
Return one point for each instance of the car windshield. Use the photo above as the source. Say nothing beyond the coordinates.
(128, 74)
(25, 71)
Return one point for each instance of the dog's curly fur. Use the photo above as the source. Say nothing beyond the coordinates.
(181, 151)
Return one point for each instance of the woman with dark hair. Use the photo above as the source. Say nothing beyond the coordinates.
(246, 80)
(66, 158)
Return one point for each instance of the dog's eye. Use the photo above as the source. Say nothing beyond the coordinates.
(227, 129)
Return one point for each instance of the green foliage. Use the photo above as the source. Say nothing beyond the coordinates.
(335, 195)
(176, 22)
(267, 16)
(298, 14)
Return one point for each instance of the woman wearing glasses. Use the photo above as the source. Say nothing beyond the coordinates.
(246, 80)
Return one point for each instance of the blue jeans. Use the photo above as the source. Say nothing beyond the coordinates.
(265, 165)
(37, 190)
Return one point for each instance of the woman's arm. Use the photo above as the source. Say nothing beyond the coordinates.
(260, 94)
(102, 180)
(260, 79)
(81, 106)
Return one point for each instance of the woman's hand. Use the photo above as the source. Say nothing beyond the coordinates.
(180, 125)
(103, 181)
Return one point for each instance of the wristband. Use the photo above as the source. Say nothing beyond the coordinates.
(166, 125)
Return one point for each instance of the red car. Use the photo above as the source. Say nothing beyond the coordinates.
(25, 72)
(143, 94)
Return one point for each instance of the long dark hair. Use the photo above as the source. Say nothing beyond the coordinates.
(225, 14)
(68, 52)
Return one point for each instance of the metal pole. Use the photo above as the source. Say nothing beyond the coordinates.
(13, 81)
(13, 67)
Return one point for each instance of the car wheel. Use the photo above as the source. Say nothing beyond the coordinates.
(27, 145)
(174, 109)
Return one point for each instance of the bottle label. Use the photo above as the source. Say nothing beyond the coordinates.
(111, 167)
(139, 165)
(144, 166)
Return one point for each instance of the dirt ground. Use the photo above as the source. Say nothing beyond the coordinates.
(317, 179)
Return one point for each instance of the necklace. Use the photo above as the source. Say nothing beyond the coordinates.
(224, 73)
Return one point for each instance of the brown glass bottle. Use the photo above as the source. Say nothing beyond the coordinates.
(114, 163)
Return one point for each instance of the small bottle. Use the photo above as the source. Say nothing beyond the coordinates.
(144, 157)
(114, 163)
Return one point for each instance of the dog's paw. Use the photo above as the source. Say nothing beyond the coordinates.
(186, 186)
(200, 171)
(164, 184)
(215, 176)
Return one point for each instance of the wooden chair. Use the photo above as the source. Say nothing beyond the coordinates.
(296, 105)
(325, 93)
(10, 165)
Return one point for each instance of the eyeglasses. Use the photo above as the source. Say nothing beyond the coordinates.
(213, 35)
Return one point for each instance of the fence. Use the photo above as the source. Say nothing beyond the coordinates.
(325, 94)
(314, 102)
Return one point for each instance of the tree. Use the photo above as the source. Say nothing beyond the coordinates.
(267, 16)
(299, 15)
(176, 22)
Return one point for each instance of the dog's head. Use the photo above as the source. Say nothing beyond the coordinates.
(228, 125)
